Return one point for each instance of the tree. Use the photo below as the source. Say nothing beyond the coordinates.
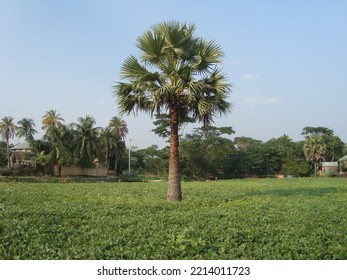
(295, 166)
(108, 144)
(162, 124)
(322, 131)
(177, 74)
(249, 157)
(86, 140)
(3, 153)
(25, 128)
(55, 148)
(335, 147)
(206, 154)
(51, 119)
(60, 139)
(294, 161)
(8, 130)
(334, 144)
(315, 150)
(118, 127)
(151, 160)
(119, 130)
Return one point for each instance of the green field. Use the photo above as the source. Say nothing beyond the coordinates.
(236, 219)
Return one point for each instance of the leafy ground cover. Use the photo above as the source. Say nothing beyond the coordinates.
(236, 219)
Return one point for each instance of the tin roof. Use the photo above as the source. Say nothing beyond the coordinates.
(330, 164)
(23, 146)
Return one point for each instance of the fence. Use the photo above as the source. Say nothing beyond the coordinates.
(79, 171)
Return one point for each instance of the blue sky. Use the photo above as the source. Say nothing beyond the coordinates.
(286, 60)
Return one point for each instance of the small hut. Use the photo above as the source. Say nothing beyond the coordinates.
(330, 167)
(22, 155)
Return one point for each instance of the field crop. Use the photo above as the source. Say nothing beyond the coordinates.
(236, 219)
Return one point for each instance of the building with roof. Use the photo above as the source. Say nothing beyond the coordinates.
(22, 155)
(330, 168)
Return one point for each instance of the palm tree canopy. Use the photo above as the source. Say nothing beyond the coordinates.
(107, 139)
(7, 128)
(86, 139)
(314, 148)
(118, 127)
(60, 139)
(176, 69)
(51, 119)
(26, 129)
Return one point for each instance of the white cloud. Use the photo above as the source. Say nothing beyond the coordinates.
(233, 61)
(271, 100)
(250, 77)
(252, 102)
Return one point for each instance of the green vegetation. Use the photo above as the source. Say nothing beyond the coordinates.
(79, 143)
(237, 219)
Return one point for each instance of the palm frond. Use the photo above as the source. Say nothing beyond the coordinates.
(152, 46)
(208, 54)
(132, 69)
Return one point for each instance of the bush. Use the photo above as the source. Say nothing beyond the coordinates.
(5, 171)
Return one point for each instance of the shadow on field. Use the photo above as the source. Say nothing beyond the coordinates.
(319, 191)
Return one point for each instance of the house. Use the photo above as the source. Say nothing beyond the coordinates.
(330, 167)
(22, 155)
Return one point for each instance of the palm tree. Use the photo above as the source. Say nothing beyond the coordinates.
(86, 139)
(25, 128)
(176, 74)
(51, 119)
(108, 143)
(55, 148)
(119, 129)
(315, 150)
(8, 130)
(60, 139)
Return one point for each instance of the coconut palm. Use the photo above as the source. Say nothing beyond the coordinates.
(176, 74)
(25, 128)
(8, 130)
(108, 143)
(86, 139)
(315, 150)
(51, 119)
(60, 139)
(118, 127)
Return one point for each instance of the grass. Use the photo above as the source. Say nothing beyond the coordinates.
(235, 219)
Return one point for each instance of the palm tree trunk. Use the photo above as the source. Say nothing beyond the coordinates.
(174, 187)
(115, 165)
(106, 160)
(316, 167)
(8, 154)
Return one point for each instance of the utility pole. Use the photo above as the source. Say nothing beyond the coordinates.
(129, 153)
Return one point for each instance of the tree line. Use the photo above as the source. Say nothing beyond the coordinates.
(79, 143)
(208, 153)
(205, 153)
